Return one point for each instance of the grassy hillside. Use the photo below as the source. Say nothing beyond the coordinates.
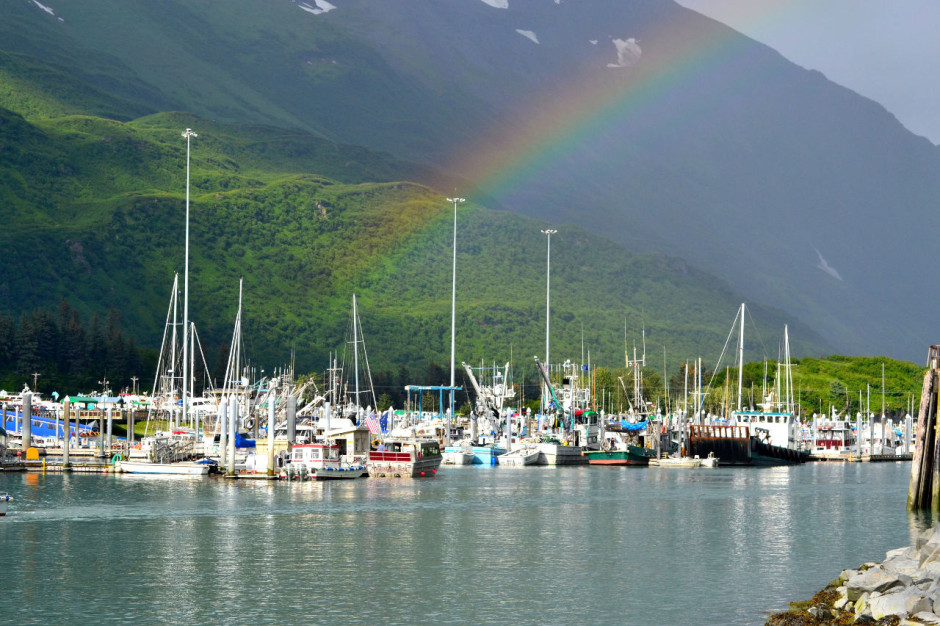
(96, 215)
(842, 383)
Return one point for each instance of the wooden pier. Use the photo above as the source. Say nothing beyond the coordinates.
(924, 492)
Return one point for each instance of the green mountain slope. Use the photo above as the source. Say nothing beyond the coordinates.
(95, 214)
(710, 147)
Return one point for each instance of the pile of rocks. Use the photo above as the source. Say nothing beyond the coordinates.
(904, 589)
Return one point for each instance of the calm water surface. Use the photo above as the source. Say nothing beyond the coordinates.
(521, 545)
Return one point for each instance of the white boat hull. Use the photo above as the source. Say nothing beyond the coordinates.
(169, 469)
(520, 458)
(458, 458)
(329, 473)
(556, 454)
(683, 462)
(710, 461)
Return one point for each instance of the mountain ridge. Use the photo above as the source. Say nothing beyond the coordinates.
(708, 146)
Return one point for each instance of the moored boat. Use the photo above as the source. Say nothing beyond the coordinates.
(680, 462)
(458, 455)
(321, 461)
(405, 456)
(768, 436)
(710, 461)
(5, 498)
(184, 468)
(629, 455)
(519, 457)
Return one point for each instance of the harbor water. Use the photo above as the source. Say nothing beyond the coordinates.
(537, 545)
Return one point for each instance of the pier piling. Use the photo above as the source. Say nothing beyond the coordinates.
(924, 491)
(27, 420)
(66, 432)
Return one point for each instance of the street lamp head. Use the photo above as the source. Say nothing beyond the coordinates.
(189, 133)
(549, 232)
(455, 200)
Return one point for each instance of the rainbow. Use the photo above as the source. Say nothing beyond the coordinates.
(514, 152)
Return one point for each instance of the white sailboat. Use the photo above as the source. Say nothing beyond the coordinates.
(352, 401)
(172, 453)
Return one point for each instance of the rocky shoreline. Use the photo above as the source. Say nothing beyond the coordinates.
(904, 589)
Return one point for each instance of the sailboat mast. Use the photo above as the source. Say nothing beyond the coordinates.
(172, 368)
(356, 354)
(188, 134)
(789, 370)
(238, 346)
(741, 358)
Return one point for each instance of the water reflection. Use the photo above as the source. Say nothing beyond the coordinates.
(530, 545)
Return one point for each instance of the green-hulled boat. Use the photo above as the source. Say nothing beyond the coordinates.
(631, 455)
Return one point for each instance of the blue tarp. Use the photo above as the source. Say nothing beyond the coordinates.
(241, 442)
(625, 425)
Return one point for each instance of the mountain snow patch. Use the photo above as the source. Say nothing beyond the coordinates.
(322, 7)
(47, 10)
(824, 266)
(628, 52)
(528, 34)
(497, 4)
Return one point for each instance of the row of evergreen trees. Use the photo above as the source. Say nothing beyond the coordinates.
(64, 353)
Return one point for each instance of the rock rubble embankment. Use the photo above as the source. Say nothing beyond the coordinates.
(904, 589)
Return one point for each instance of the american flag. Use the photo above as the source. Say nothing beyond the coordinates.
(373, 423)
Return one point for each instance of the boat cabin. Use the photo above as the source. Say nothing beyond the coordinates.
(776, 429)
(424, 448)
(315, 453)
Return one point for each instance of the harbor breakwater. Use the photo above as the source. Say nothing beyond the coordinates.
(903, 589)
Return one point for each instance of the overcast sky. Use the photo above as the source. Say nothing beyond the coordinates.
(886, 51)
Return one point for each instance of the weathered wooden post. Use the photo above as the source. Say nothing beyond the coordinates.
(924, 492)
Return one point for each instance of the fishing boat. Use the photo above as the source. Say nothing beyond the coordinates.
(458, 455)
(768, 436)
(570, 427)
(486, 420)
(5, 499)
(629, 454)
(321, 462)
(405, 455)
(623, 443)
(183, 468)
(519, 457)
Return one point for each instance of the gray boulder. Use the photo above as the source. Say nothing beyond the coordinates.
(902, 603)
(871, 580)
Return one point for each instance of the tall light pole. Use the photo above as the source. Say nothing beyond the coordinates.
(188, 134)
(548, 293)
(453, 318)
(548, 288)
